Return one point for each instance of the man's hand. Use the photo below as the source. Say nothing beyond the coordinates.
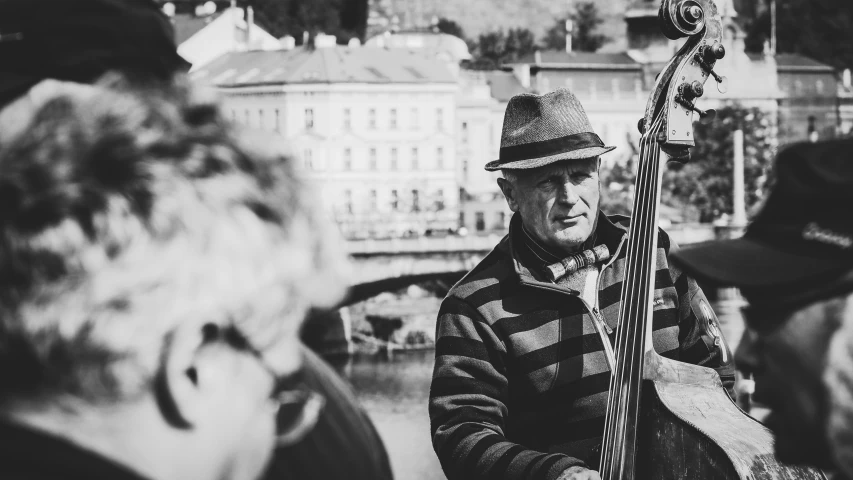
(578, 473)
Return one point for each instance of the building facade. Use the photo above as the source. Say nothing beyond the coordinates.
(372, 127)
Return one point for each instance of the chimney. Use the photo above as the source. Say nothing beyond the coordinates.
(522, 73)
(354, 42)
(287, 42)
(250, 24)
(570, 27)
(846, 79)
(537, 57)
(305, 38)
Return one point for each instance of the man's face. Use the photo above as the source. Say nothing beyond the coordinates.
(787, 363)
(558, 203)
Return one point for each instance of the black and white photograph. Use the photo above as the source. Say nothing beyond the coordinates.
(426, 240)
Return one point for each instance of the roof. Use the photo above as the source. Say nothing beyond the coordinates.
(188, 25)
(336, 64)
(581, 60)
(793, 62)
(432, 42)
(504, 85)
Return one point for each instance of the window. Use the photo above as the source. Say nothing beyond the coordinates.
(500, 223)
(348, 201)
(347, 159)
(372, 165)
(415, 119)
(439, 158)
(233, 115)
(569, 83)
(819, 86)
(394, 158)
(277, 121)
(395, 200)
(246, 117)
(614, 85)
(439, 119)
(798, 87)
(416, 207)
(439, 200)
(373, 200)
(415, 165)
(638, 88)
(371, 119)
(308, 158)
(260, 119)
(392, 120)
(347, 119)
(480, 221)
(309, 118)
(464, 133)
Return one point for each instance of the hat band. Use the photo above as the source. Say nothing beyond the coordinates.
(546, 148)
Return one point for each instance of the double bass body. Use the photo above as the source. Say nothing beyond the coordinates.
(690, 429)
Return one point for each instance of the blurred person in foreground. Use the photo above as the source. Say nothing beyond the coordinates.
(524, 345)
(794, 266)
(155, 268)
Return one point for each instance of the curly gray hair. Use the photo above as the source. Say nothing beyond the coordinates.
(125, 211)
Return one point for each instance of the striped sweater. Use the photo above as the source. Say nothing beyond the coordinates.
(521, 373)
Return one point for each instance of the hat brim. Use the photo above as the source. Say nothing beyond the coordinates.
(747, 263)
(579, 154)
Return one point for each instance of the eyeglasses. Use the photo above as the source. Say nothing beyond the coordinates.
(296, 414)
(296, 407)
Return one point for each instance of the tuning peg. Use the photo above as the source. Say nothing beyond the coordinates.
(712, 53)
(722, 83)
(691, 90)
(641, 126)
(707, 57)
(706, 115)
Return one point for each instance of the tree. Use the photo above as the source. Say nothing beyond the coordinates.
(819, 29)
(450, 27)
(706, 182)
(586, 19)
(344, 18)
(702, 189)
(495, 48)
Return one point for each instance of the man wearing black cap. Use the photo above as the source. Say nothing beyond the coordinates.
(524, 344)
(794, 265)
(154, 269)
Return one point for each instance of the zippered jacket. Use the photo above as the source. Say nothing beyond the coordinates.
(522, 365)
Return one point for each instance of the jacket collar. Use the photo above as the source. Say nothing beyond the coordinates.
(526, 261)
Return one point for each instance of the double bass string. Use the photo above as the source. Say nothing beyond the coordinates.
(618, 405)
(616, 409)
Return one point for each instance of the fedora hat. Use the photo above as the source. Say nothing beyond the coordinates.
(542, 129)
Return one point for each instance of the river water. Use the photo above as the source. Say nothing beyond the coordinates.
(395, 390)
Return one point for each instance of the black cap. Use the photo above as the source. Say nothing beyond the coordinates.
(803, 234)
(80, 40)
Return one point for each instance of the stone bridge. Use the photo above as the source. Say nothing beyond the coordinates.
(391, 264)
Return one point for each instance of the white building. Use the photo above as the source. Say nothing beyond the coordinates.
(372, 127)
(207, 35)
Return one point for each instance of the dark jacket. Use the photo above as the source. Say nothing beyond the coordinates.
(26, 454)
(522, 374)
(344, 444)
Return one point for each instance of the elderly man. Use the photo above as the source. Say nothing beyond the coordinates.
(154, 269)
(794, 265)
(524, 341)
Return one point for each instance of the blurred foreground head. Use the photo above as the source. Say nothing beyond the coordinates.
(155, 267)
(794, 266)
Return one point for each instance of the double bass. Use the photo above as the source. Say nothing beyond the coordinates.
(666, 419)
